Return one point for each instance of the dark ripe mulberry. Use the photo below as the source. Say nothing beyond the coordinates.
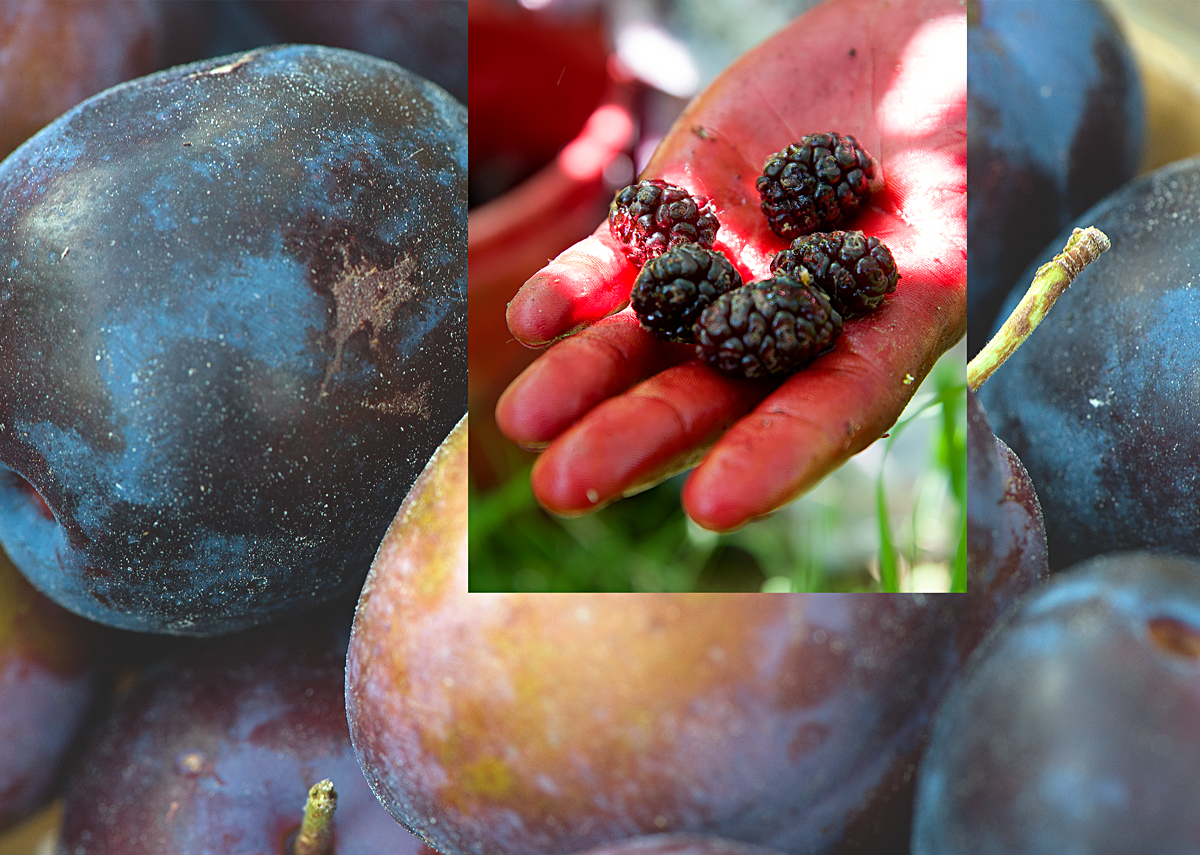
(855, 271)
(775, 326)
(652, 216)
(817, 183)
(674, 288)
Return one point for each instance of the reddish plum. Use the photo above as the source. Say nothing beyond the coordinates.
(548, 723)
(214, 751)
(51, 665)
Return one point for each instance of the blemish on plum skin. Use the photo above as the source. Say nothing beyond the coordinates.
(1175, 636)
(229, 67)
(366, 298)
(488, 777)
(190, 763)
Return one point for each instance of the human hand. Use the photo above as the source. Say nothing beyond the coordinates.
(617, 410)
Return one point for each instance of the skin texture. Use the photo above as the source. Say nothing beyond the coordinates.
(428, 37)
(214, 750)
(54, 55)
(1055, 123)
(51, 664)
(616, 410)
(679, 844)
(512, 724)
(1074, 728)
(1005, 530)
(1100, 402)
(232, 329)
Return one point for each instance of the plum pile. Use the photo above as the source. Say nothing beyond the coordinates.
(232, 331)
(232, 336)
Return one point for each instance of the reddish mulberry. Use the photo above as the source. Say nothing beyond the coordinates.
(652, 216)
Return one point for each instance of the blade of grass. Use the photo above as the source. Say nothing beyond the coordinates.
(958, 581)
(888, 575)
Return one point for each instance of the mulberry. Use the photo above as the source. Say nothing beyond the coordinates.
(652, 216)
(775, 326)
(855, 271)
(675, 287)
(815, 184)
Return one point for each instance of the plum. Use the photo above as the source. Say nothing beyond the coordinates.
(1054, 122)
(213, 752)
(52, 665)
(521, 724)
(1101, 403)
(428, 37)
(1005, 530)
(232, 331)
(678, 844)
(1074, 727)
(53, 55)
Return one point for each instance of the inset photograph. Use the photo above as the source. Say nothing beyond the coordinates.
(717, 289)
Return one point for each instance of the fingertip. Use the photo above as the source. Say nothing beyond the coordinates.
(585, 284)
(540, 311)
(559, 492)
(710, 507)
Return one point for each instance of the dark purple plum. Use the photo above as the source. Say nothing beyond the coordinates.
(428, 37)
(232, 330)
(1006, 535)
(1054, 122)
(1101, 403)
(1074, 727)
(213, 752)
(52, 665)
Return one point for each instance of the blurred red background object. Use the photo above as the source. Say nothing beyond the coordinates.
(552, 128)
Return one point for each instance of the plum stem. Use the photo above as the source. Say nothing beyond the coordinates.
(1049, 282)
(316, 832)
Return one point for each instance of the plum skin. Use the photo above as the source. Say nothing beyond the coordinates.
(1006, 532)
(1055, 122)
(212, 752)
(679, 844)
(232, 329)
(1073, 728)
(544, 723)
(1100, 403)
(52, 665)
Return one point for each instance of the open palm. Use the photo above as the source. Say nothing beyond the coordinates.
(616, 410)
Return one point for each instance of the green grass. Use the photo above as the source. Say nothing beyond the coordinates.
(892, 519)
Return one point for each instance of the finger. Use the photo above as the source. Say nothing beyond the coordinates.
(578, 373)
(821, 416)
(635, 440)
(587, 282)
